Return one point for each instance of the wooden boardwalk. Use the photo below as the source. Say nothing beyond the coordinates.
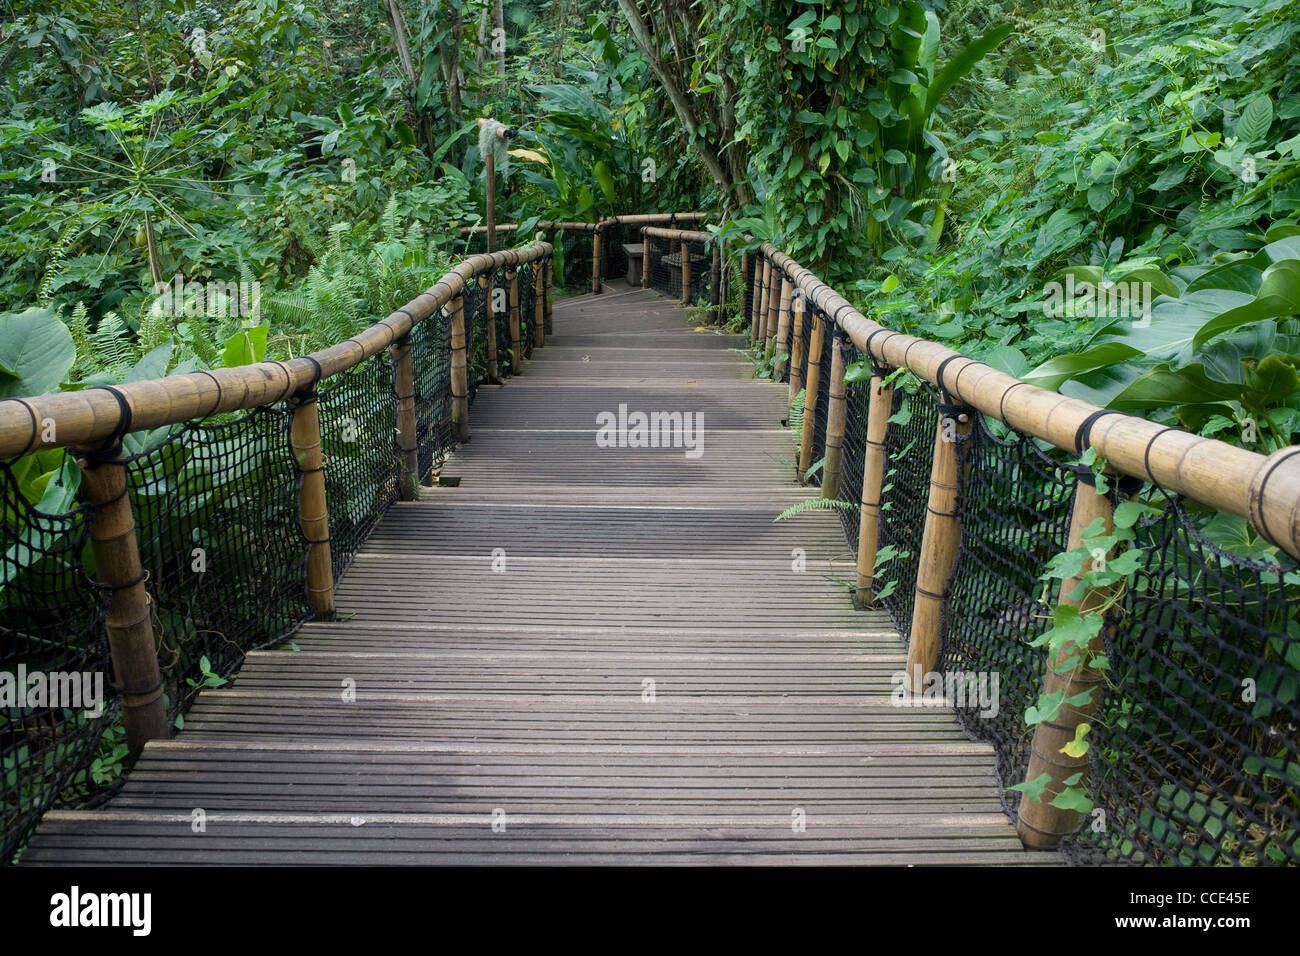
(578, 655)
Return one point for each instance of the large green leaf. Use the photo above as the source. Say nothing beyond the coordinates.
(1164, 386)
(1053, 373)
(245, 347)
(36, 353)
(1255, 119)
(963, 63)
(1279, 294)
(37, 538)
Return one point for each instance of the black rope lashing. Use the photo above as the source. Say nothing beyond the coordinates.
(1002, 403)
(1263, 527)
(1083, 437)
(111, 450)
(36, 427)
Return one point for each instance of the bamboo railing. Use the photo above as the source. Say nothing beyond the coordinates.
(1265, 490)
(597, 230)
(93, 422)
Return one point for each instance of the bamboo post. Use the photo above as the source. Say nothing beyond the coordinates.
(596, 240)
(834, 419)
(686, 274)
(782, 330)
(645, 259)
(516, 349)
(459, 371)
(539, 306)
(873, 480)
(1041, 825)
(715, 284)
(313, 514)
(773, 304)
(939, 544)
(404, 390)
(490, 173)
(811, 389)
(745, 263)
(493, 372)
(132, 650)
(759, 302)
(796, 347)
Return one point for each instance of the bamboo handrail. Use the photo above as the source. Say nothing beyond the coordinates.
(1263, 490)
(92, 415)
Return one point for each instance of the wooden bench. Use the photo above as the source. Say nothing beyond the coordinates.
(635, 254)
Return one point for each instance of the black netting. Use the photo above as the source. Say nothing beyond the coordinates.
(909, 455)
(613, 257)
(853, 450)
(576, 247)
(359, 441)
(1195, 753)
(216, 514)
(51, 622)
(662, 276)
(500, 306)
(527, 306)
(431, 364)
(1015, 508)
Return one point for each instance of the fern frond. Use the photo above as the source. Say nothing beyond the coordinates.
(817, 504)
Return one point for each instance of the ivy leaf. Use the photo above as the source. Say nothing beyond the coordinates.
(1033, 789)
(1078, 746)
(1072, 798)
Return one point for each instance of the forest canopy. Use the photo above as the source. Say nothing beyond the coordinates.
(186, 185)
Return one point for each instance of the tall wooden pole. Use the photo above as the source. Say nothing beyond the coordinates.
(1041, 825)
(516, 337)
(939, 545)
(645, 259)
(313, 514)
(491, 174)
(459, 371)
(686, 274)
(811, 389)
(834, 419)
(404, 390)
(131, 646)
(873, 480)
(596, 243)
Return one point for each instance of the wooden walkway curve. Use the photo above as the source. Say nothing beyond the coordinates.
(578, 655)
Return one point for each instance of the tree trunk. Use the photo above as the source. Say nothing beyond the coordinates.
(674, 77)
